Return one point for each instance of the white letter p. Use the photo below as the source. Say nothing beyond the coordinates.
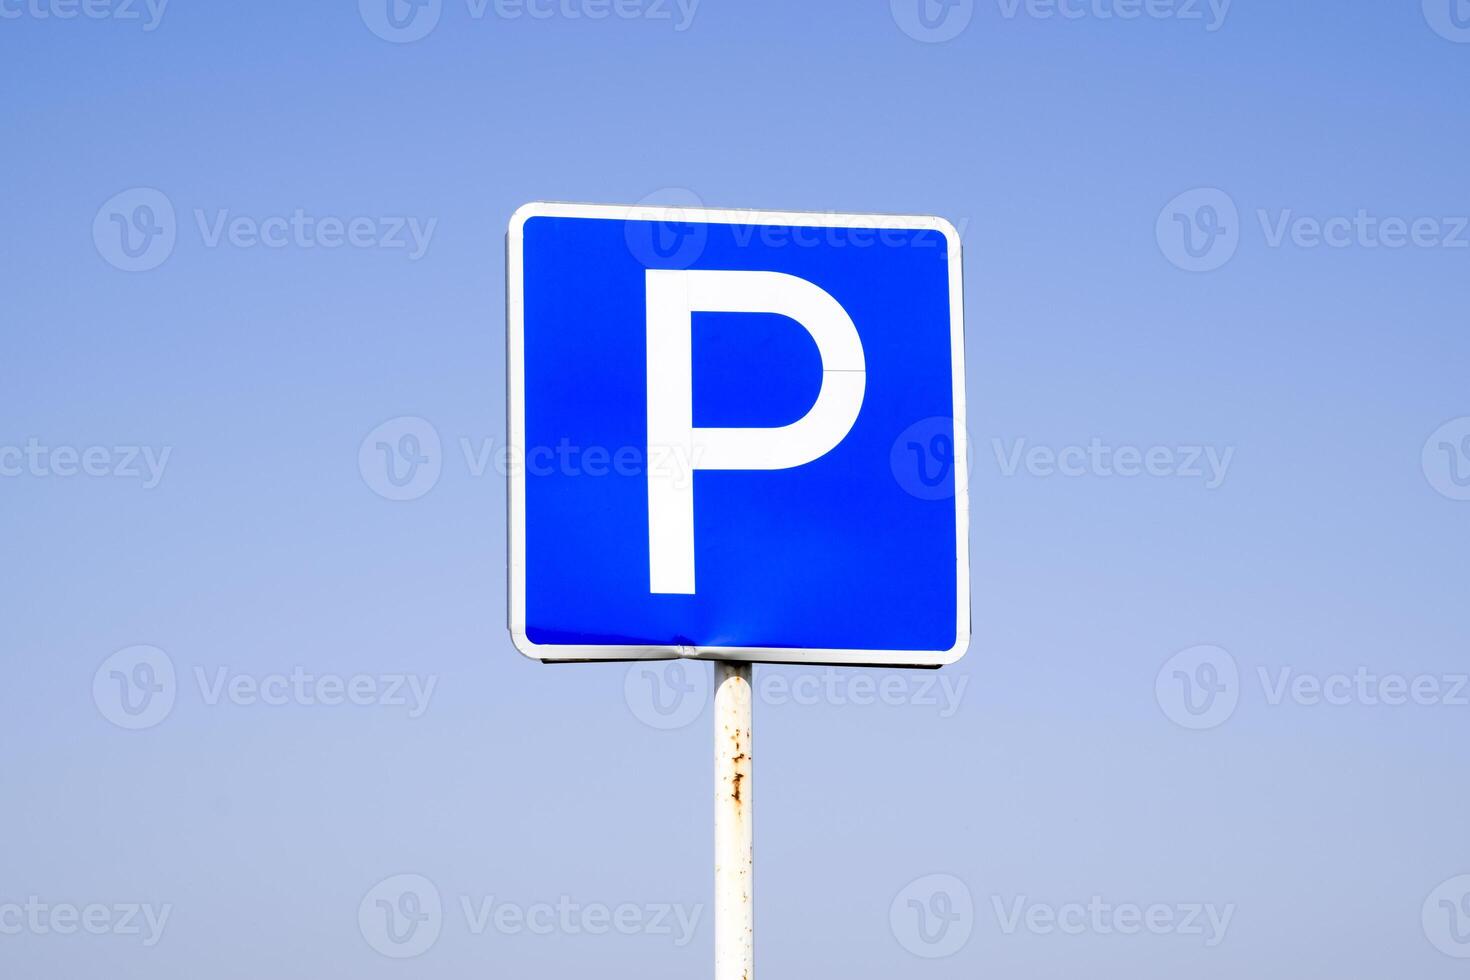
(673, 441)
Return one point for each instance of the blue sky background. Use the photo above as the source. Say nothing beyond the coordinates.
(1332, 544)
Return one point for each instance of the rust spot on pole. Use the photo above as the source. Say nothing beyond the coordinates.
(734, 800)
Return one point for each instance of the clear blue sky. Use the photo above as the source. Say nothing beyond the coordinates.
(1058, 762)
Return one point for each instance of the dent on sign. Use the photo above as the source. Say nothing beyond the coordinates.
(776, 386)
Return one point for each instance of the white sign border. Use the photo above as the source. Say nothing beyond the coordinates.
(516, 432)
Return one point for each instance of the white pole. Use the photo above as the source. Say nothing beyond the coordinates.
(734, 842)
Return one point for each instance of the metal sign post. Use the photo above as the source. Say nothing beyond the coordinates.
(734, 840)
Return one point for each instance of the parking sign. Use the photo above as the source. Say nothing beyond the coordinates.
(736, 435)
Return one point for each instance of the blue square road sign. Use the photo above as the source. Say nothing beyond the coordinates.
(736, 435)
